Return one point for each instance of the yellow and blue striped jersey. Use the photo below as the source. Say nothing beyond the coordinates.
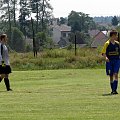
(112, 51)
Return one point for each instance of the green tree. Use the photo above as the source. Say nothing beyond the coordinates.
(40, 40)
(18, 41)
(24, 15)
(6, 9)
(63, 20)
(114, 21)
(73, 21)
(14, 6)
(80, 21)
(43, 11)
(81, 38)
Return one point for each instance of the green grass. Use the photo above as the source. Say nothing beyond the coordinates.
(71, 94)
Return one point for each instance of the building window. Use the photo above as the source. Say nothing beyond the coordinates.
(64, 34)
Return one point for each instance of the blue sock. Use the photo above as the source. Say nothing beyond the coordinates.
(115, 84)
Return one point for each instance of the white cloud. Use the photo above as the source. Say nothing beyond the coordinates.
(92, 7)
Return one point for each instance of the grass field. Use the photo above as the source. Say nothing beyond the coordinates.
(73, 94)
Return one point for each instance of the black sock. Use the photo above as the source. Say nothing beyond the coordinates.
(111, 84)
(115, 84)
(0, 79)
(7, 84)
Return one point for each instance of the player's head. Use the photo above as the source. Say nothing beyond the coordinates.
(113, 33)
(3, 38)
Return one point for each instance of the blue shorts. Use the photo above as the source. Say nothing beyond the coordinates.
(112, 67)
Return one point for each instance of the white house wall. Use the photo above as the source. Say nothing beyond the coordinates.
(56, 35)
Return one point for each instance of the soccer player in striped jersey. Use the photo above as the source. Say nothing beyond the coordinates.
(111, 53)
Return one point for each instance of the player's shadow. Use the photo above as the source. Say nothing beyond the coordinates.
(107, 94)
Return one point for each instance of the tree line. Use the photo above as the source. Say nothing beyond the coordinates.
(22, 19)
(17, 16)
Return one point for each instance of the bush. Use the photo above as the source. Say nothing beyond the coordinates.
(58, 59)
(28, 48)
(69, 47)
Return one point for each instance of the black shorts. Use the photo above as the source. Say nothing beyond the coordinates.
(5, 69)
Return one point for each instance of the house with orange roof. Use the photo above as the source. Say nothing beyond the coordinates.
(99, 39)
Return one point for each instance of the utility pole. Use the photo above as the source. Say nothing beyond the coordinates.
(34, 44)
(75, 45)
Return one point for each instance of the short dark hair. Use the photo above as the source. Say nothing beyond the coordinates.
(113, 32)
(2, 36)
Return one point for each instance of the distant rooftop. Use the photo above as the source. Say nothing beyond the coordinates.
(63, 27)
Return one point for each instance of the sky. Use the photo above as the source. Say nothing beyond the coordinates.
(62, 8)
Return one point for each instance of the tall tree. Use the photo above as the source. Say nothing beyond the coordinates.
(6, 8)
(34, 7)
(114, 21)
(24, 15)
(80, 21)
(14, 6)
(43, 11)
(74, 21)
(9, 8)
(63, 20)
